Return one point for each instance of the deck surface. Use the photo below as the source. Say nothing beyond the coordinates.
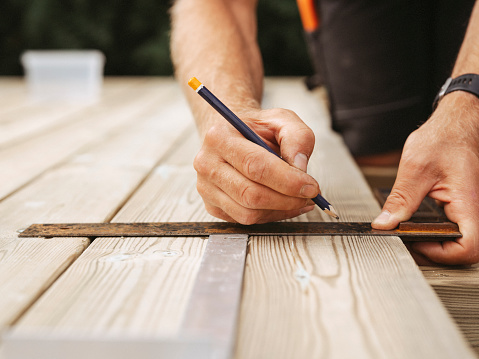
(128, 158)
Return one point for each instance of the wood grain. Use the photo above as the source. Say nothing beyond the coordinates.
(458, 288)
(329, 297)
(90, 186)
(135, 286)
(26, 160)
(34, 118)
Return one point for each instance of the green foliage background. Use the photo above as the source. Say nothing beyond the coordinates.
(134, 34)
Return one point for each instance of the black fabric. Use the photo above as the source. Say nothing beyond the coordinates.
(383, 62)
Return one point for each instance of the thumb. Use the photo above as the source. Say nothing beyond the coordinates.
(296, 142)
(405, 198)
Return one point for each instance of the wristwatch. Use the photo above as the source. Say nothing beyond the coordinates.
(467, 82)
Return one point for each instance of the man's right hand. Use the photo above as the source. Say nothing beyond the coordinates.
(240, 181)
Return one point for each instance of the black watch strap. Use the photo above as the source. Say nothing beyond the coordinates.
(467, 82)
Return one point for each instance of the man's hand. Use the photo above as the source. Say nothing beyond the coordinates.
(441, 160)
(242, 182)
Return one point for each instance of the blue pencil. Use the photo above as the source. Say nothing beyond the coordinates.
(247, 133)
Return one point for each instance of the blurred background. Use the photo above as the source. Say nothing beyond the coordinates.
(134, 34)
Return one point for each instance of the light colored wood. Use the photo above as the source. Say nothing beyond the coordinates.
(27, 160)
(303, 297)
(12, 94)
(323, 297)
(86, 345)
(147, 280)
(458, 288)
(91, 186)
(36, 117)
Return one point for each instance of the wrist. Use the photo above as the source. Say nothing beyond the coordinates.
(464, 83)
(457, 113)
(460, 100)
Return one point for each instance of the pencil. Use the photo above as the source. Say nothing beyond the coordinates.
(248, 133)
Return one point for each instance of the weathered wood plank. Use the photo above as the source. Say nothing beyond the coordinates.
(91, 186)
(36, 117)
(458, 288)
(27, 160)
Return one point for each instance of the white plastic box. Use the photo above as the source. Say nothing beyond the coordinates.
(64, 75)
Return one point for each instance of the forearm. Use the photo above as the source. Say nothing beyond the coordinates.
(455, 109)
(468, 58)
(215, 40)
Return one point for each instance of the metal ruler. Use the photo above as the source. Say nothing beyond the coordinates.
(408, 231)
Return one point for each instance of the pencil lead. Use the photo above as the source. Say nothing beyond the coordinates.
(332, 212)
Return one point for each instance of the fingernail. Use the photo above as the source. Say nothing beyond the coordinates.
(383, 218)
(301, 162)
(308, 190)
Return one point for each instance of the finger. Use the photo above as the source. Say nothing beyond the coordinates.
(264, 168)
(411, 186)
(220, 205)
(246, 192)
(295, 138)
(218, 213)
(462, 251)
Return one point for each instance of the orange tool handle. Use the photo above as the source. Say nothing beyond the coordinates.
(309, 15)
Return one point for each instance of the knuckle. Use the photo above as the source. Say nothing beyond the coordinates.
(201, 188)
(213, 134)
(216, 212)
(306, 134)
(400, 196)
(254, 166)
(249, 217)
(199, 162)
(250, 196)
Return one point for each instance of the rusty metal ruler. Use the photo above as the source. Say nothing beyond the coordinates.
(408, 231)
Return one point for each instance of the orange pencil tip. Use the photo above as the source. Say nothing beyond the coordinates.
(194, 83)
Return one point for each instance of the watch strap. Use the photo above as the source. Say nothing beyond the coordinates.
(467, 82)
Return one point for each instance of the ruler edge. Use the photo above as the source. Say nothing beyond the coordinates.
(36, 231)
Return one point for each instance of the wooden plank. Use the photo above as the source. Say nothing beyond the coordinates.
(338, 297)
(458, 289)
(13, 93)
(91, 186)
(81, 346)
(33, 118)
(27, 160)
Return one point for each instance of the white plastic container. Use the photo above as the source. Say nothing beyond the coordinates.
(64, 75)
